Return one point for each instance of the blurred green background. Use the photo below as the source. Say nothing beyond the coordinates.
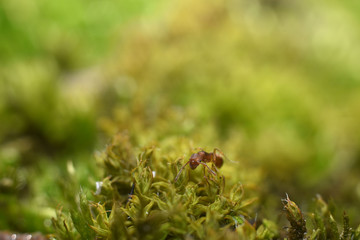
(275, 84)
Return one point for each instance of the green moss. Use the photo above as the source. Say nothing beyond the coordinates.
(230, 74)
(323, 226)
(296, 219)
(196, 206)
(138, 199)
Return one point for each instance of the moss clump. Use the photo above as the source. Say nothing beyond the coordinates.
(296, 219)
(322, 226)
(138, 199)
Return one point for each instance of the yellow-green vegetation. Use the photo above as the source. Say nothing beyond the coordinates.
(274, 84)
(139, 199)
(196, 206)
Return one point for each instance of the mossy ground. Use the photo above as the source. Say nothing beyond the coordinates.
(139, 199)
(273, 84)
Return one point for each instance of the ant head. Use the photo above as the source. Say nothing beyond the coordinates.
(194, 160)
(193, 164)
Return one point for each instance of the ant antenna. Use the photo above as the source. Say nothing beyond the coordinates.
(182, 168)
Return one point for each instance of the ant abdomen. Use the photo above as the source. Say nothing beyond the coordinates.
(218, 161)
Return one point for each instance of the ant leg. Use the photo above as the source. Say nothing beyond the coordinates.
(222, 153)
(223, 184)
(197, 149)
(131, 192)
(205, 177)
(208, 168)
(214, 167)
(218, 150)
(182, 168)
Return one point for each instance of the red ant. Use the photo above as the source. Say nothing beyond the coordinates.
(202, 158)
